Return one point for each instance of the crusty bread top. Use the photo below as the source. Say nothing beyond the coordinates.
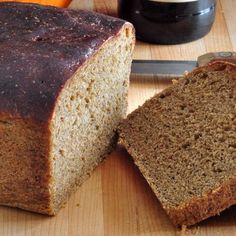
(41, 47)
(228, 66)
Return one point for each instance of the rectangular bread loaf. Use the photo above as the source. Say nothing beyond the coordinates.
(183, 140)
(64, 79)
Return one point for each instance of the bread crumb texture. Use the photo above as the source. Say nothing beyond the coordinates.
(183, 141)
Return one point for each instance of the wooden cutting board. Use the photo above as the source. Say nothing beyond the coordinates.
(116, 200)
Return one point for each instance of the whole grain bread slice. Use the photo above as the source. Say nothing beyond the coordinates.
(184, 142)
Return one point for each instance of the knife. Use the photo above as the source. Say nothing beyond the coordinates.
(169, 68)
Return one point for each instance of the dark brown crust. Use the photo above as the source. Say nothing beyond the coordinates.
(24, 184)
(215, 66)
(208, 205)
(40, 49)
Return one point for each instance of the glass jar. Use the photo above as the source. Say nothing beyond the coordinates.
(169, 21)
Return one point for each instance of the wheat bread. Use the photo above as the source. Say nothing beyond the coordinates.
(64, 77)
(184, 143)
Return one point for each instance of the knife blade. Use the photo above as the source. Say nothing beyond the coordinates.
(162, 67)
(168, 68)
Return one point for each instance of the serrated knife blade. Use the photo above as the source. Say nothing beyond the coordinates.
(162, 67)
(167, 68)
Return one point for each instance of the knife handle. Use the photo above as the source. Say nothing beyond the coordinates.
(217, 56)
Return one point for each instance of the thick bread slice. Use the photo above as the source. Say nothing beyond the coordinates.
(64, 79)
(183, 141)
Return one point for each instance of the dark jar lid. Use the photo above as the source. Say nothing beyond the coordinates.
(166, 22)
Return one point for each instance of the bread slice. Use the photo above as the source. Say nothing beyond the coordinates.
(64, 79)
(183, 140)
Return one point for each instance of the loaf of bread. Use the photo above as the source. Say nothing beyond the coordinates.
(183, 141)
(64, 78)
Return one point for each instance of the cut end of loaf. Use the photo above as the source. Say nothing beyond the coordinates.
(183, 141)
(88, 111)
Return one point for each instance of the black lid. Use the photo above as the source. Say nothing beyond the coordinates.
(154, 9)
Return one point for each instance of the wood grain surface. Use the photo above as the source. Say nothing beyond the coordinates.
(116, 200)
